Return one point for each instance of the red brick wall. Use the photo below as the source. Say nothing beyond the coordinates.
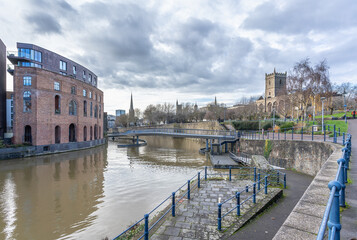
(42, 118)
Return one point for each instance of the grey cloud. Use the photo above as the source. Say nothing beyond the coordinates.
(44, 23)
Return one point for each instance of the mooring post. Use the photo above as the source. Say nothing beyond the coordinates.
(230, 173)
(254, 192)
(255, 174)
(266, 184)
(173, 204)
(334, 217)
(146, 231)
(199, 180)
(188, 190)
(238, 203)
(219, 219)
(258, 181)
(284, 180)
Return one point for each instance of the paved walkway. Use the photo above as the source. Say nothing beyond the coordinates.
(268, 223)
(197, 218)
(349, 216)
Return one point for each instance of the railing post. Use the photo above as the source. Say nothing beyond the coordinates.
(238, 203)
(255, 174)
(343, 138)
(273, 133)
(277, 177)
(266, 184)
(339, 131)
(334, 217)
(284, 180)
(199, 180)
(285, 134)
(146, 231)
(302, 133)
(173, 204)
(230, 173)
(219, 219)
(254, 193)
(205, 172)
(292, 133)
(312, 133)
(258, 181)
(334, 133)
(188, 189)
(341, 180)
(246, 189)
(324, 133)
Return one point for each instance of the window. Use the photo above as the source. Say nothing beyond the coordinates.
(96, 111)
(84, 74)
(28, 135)
(90, 94)
(72, 108)
(57, 86)
(73, 90)
(27, 80)
(280, 81)
(100, 111)
(90, 77)
(91, 109)
(95, 97)
(57, 104)
(74, 70)
(29, 64)
(85, 108)
(63, 65)
(63, 73)
(85, 133)
(84, 93)
(30, 53)
(27, 101)
(100, 98)
(57, 134)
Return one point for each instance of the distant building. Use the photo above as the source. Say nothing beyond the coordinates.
(111, 121)
(56, 100)
(2, 89)
(9, 111)
(178, 108)
(275, 92)
(131, 119)
(119, 112)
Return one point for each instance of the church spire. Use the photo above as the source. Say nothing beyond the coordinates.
(215, 100)
(131, 102)
(131, 112)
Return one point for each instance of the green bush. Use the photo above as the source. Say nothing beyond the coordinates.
(267, 125)
(286, 126)
(246, 125)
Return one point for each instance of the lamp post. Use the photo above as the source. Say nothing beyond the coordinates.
(297, 112)
(322, 100)
(344, 104)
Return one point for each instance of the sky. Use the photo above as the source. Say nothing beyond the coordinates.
(186, 50)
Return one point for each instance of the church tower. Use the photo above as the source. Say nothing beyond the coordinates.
(275, 84)
(131, 119)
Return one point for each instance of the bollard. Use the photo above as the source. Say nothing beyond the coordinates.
(199, 180)
(173, 204)
(324, 133)
(334, 217)
(146, 231)
(238, 203)
(254, 193)
(205, 172)
(266, 184)
(258, 181)
(188, 190)
(219, 219)
(255, 174)
(230, 173)
(284, 180)
(341, 180)
(312, 133)
(277, 177)
(246, 188)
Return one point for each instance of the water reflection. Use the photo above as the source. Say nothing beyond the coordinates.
(93, 193)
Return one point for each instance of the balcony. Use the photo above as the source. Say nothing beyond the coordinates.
(14, 57)
(10, 69)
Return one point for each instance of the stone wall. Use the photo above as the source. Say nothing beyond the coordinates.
(303, 156)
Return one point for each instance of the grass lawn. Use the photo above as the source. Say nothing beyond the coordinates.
(338, 115)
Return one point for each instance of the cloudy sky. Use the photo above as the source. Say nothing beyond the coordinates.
(190, 50)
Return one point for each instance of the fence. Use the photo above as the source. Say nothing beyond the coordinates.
(337, 196)
(175, 199)
(187, 131)
(326, 133)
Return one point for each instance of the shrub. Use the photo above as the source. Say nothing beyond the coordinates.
(267, 125)
(246, 125)
(286, 126)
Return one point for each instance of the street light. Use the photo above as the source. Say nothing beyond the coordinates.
(322, 100)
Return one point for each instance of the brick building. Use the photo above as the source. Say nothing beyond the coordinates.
(56, 100)
(2, 89)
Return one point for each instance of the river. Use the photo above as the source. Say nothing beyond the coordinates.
(94, 193)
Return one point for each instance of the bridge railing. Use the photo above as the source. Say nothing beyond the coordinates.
(328, 133)
(256, 187)
(141, 229)
(336, 200)
(183, 131)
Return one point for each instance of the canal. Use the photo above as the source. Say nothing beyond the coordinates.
(94, 193)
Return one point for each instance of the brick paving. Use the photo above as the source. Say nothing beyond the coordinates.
(197, 218)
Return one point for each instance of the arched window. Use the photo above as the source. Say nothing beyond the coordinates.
(57, 104)
(28, 134)
(91, 109)
(27, 101)
(85, 108)
(91, 133)
(100, 111)
(57, 134)
(72, 133)
(95, 111)
(85, 133)
(27, 80)
(95, 131)
(100, 131)
(72, 108)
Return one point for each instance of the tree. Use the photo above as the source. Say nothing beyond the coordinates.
(122, 120)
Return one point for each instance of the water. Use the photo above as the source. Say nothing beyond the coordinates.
(93, 193)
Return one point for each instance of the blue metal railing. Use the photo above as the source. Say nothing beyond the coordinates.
(336, 200)
(256, 187)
